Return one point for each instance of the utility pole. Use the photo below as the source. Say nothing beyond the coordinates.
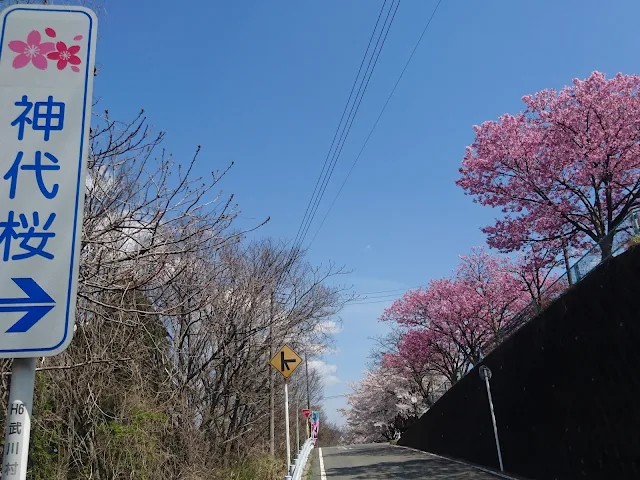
(272, 401)
(306, 367)
(297, 420)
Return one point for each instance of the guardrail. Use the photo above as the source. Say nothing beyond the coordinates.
(297, 469)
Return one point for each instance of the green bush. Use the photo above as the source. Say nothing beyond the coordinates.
(132, 445)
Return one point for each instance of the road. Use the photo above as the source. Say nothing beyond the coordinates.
(383, 461)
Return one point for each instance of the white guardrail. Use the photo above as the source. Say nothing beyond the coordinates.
(297, 469)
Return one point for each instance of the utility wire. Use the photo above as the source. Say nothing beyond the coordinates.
(388, 291)
(373, 297)
(335, 136)
(376, 301)
(415, 48)
(355, 107)
(331, 161)
(384, 291)
(383, 294)
(335, 396)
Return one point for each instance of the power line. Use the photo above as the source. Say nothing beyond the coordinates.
(372, 297)
(385, 291)
(353, 87)
(355, 107)
(415, 48)
(376, 301)
(335, 396)
(343, 130)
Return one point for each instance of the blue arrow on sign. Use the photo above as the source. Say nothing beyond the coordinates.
(32, 305)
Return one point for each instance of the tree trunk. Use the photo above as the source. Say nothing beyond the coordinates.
(606, 246)
(567, 265)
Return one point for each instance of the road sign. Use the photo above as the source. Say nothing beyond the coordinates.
(306, 412)
(315, 425)
(286, 361)
(47, 57)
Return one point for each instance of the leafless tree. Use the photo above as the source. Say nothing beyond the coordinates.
(167, 375)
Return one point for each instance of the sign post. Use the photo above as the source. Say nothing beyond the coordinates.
(47, 58)
(18, 427)
(286, 361)
(485, 374)
(286, 425)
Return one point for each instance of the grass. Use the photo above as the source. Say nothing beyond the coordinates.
(264, 467)
(309, 467)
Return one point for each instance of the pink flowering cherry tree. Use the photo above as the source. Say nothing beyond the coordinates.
(428, 358)
(535, 269)
(380, 407)
(456, 317)
(568, 167)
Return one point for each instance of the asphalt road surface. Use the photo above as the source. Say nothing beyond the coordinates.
(383, 461)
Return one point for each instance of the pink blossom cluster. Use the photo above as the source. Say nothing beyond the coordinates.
(564, 172)
(448, 324)
(37, 52)
(567, 167)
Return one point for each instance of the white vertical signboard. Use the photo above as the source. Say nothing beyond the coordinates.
(47, 57)
(46, 78)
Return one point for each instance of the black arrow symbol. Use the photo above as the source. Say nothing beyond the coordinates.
(284, 363)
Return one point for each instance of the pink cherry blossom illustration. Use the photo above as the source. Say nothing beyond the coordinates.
(31, 51)
(66, 55)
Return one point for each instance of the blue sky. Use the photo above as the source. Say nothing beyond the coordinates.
(263, 83)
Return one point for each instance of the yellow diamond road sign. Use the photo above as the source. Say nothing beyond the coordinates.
(286, 361)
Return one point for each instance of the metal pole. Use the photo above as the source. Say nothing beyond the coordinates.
(307, 428)
(297, 422)
(18, 427)
(493, 419)
(306, 367)
(308, 421)
(272, 400)
(286, 424)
